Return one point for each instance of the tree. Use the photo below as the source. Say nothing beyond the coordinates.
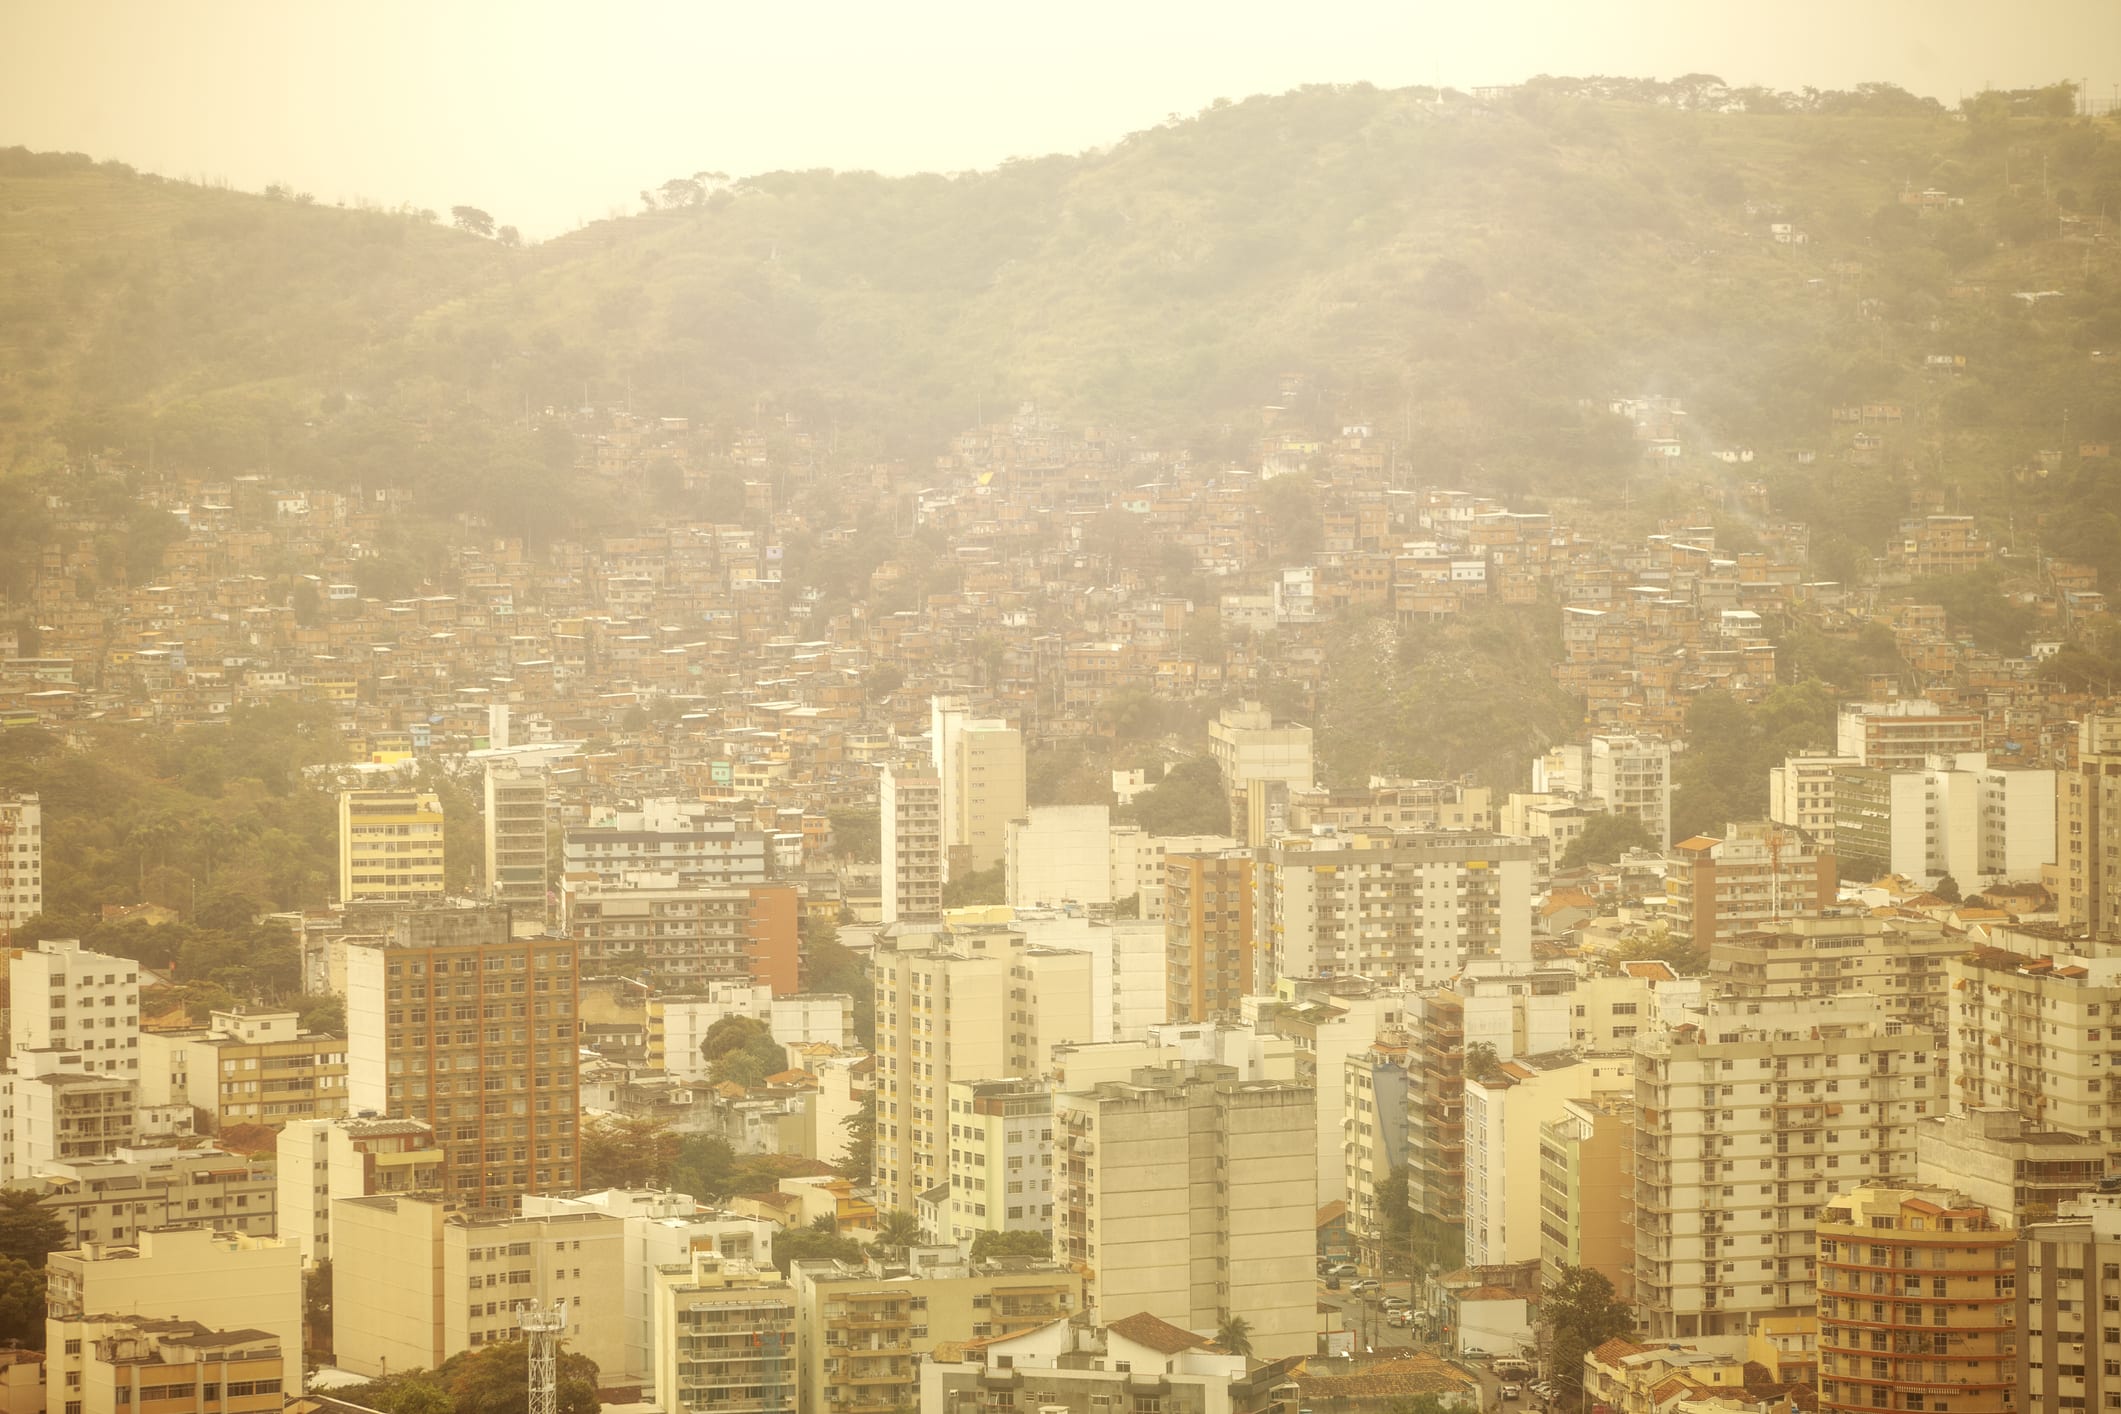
(1579, 1312)
(898, 1228)
(625, 1151)
(1189, 800)
(21, 1304)
(803, 1243)
(1234, 1334)
(495, 1379)
(857, 835)
(29, 1231)
(413, 1392)
(1481, 1062)
(316, 1303)
(989, 1243)
(741, 1049)
(1946, 888)
(977, 887)
(1604, 839)
(470, 218)
(510, 237)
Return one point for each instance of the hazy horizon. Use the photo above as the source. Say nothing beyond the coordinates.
(562, 121)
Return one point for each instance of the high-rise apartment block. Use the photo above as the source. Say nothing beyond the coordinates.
(21, 860)
(910, 818)
(1191, 1195)
(1001, 1158)
(2037, 1035)
(1251, 750)
(1898, 960)
(2062, 1321)
(1902, 735)
(1633, 776)
(246, 1066)
(390, 845)
(686, 838)
(1758, 874)
(724, 1337)
(2088, 832)
(517, 846)
(1210, 965)
(453, 1021)
(1403, 909)
(320, 1161)
(1917, 1298)
(1750, 1118)
(1956, 817)
(1801, 793)
(65, 998)
(1587, 1190)
(681, 937)
(1505, 1111)
(980, 774)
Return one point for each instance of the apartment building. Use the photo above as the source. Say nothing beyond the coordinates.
(2067, 1289)
(1903, 734)
(1001, 1158)
(61, 1113)
(1587, 1190)
(1210, 965)
(1066, 1368)
(680, 937)
(1402, 909)
(1750, 1118)
(1375, 1086)
(2088, 832)
(1251, 750)
(113, 1200)
(415, 1281)
(518, 848)
(390, 845)
(246, 1066)
(681, 1020)
(66, 998)
(1329, 1019)
(21, 859)
(453, 1021)
(1801, 793)
(1190, 1194)
(1436, 1133)
(2018, 1171)
(686, 838)
(1916, 1297)
(2037, 1035)
(910, 815)
(1633, 776)
(985, 793)
(1956, 817)
(128, 1363)
(1505, 1110)
(969, 1003)
(1394, 804)
(1138, 864)
(862, 1333)
(1758, 874)
(321, 1161)
(724, 1337)
(1059, 854)
(1900, 960)
(224, 1281)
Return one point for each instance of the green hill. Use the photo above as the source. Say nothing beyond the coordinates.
(1478, 276)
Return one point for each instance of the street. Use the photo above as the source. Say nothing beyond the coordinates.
(1365, 1315)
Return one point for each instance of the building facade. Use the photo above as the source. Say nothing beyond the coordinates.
(910, 816)
(517, 845)
(2088, 832)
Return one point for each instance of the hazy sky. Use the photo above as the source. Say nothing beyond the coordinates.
(549, 115)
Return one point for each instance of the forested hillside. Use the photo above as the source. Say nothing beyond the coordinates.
(1478, 274)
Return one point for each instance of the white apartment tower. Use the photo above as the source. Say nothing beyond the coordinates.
(910, 818)
(67, 999)
(979, 767)
(21, 861)
(1633, 776)
(516, 847)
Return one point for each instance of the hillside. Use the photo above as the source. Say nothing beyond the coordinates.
(1479, 276)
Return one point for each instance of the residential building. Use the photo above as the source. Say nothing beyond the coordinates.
(1552, 822)
(1900, 960)
(724, 1337)
(1374, 1092)
(1633, 776)
(1587, 1190)
(910, 813)
(61, 1113)
(1801, 793)
(1917, 1297)
(986, 793)
(1208, 934)
(1329, 1019)
(1082, 1369)
(1250, 749)
(680, 937)
(1060, 854)
(1436, 1133)
(246, 1066)
(2068, 1284)
(114, 1365)
(113, 1200)
(1505, 1110)
(1749, 1118)
(686, 838)
(1001, 1158)
(1394, 803)
(1756, 876)
(862, 1333)
(1138, 864)
(2088, 832)
(390, 845)
(2036, 1035)
(1956, 817)
(1901, 735)
(518, 847)
(1402, 909)
(69, 999)
(1190, 1194)
(321, 1161)
(802, 1019)
(495, 1071)
(224, 1281)
(21, 860)
(2019, 1172)
(1629, 1378)
(415, 1281)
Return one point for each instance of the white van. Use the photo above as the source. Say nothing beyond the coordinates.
(1511, 1365)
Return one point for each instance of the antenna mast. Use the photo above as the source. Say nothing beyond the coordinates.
(541, 1331)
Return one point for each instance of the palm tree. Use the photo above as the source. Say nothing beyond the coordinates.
(1234, 1334)
(898, 1228)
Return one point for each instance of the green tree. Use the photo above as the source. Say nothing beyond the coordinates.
(898, 1228)
(29, 1231)
(1234, 1334)
(741, 1049)
(1481, 1062)
(1604, 839)
(857, 835)
(495, 1379)
(803, 1244)
(625, 1151)
(470, 218)
(988, 1243)
(1946, 888)
(316, 1304)
(22, 1306)
(1578, 1313)
(979, 886)
(1189, 800)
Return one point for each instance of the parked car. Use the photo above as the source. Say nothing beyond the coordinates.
(1332, 1283)
(1399, 1318)
(1341, 1269)
(1472, 1352)
(1397, 1303)
(1512, 1392)
(1368, 1284)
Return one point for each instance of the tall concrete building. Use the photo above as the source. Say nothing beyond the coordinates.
(1373, 1108)
(1957, 816)
(1750, 1118)
(1587, 1190)
(1915, 1298)
(1505, 1111)
(390, 845)
(685, 938)
(453, 1021)
(21, 860)
(2068, 1288)
(1210, 965)
(724, 1337)
(970, 1003)
(319, 1161)
(690, 839)
(517, 848)
(1001, 1159)
(1801, 792)
(1403, 909)
(1251, 750)
(66, 998)
(987, 792)
(2036, 1035)
(1902, 735)
(246, 1066)
(1758, 874)
(910, 817)
(2088, 832)
(1191, 1195)
(1060, 854)
(2017, 1170)
(1633, 776)
(1899, 960)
